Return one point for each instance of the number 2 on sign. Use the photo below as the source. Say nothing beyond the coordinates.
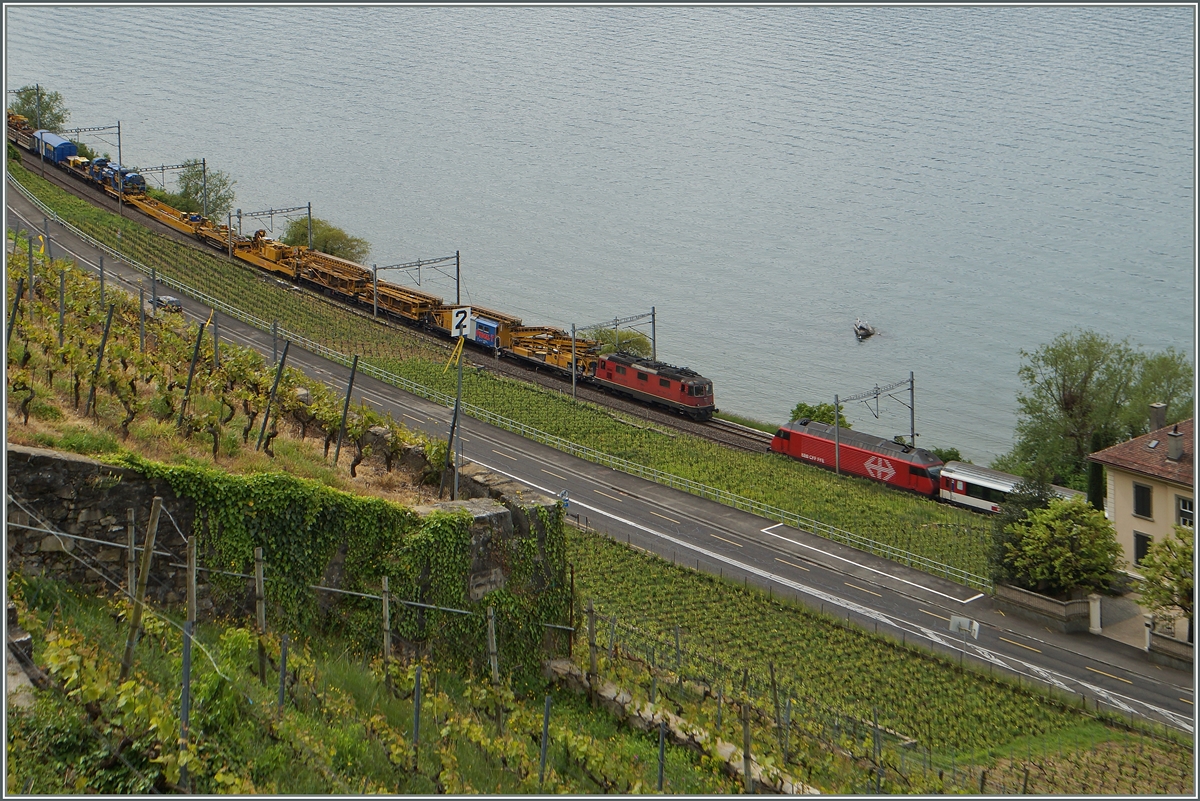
(460, 321)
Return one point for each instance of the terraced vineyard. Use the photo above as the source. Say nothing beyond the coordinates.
(939, 717)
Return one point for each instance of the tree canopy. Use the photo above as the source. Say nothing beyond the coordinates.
(53, 112)
(625, 340)
(327, 238)
(190, 194)
(1168, 580)
(821, 413)
(1084, 392)
(1067, 546)
(193, 180)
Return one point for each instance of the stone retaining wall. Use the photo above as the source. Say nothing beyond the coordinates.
(1171, 652)
(1064, 616)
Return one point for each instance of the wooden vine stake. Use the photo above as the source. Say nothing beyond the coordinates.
(135, 619)
(591, 613)
(188, 627)
(387, 635)
(130, 554)
(260, 608)
(775, 695)
(545, 742)
(493, 657)
(662, 741)
(494, 660)
(416, 716)
(749, 778)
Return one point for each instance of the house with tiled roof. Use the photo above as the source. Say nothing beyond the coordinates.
(1150, 487)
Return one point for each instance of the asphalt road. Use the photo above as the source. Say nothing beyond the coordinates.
(874, 593)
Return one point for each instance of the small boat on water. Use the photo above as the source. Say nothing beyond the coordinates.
(863, 329)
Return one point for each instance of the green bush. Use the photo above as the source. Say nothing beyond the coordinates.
(1067, 546)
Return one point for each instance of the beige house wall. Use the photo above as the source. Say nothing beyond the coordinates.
(1164, 508)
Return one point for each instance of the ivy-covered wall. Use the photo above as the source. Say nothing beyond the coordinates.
(465, 555)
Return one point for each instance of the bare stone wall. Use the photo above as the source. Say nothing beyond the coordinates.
(86, 498)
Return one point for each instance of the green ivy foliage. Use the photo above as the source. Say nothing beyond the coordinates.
(302, 526)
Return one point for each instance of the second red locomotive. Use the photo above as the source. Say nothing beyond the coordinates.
(859, 454)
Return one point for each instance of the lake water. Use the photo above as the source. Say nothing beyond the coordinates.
(972, 181)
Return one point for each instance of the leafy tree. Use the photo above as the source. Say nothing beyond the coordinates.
(192, 181)
(1167, 377)
(949, 455)
(175, 200)
(821, 413)
(1168, 580)
(1084, 392)
(626, 341)
(84, 151)
(1067, 546)
(1028, 496)
(51, 115)
(327, 238)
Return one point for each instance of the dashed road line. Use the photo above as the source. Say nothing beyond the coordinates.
(931, 614)
(664, 517)
(1021, 645)
(792, 564)
(862, 589)
(606, 495)
(1111, 676)
(731, 542)
(556, 475)
(505, 455)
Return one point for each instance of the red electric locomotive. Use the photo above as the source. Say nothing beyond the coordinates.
(676, 388)
(859, 454)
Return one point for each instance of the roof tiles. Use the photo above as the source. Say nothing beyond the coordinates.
(1137, 456)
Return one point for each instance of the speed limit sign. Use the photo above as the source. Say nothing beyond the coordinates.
(460, 321)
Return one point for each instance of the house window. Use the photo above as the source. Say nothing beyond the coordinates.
(1141, 546)
(1186, 515)
(1141, 501)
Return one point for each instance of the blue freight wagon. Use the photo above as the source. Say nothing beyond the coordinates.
(53, 146)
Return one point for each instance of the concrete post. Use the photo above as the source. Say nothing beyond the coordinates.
(1093, 613)
(1149, 628)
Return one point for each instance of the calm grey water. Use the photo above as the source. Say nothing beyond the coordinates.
(973, 181)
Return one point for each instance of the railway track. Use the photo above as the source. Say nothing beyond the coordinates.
(719, 431)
